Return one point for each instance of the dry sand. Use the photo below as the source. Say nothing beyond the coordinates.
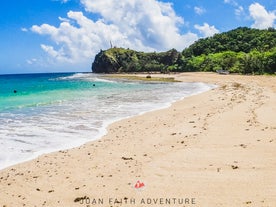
(213, 149)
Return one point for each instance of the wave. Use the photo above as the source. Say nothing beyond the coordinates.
(70, 122)
(74, 76)
(104, 80)
(85, 76)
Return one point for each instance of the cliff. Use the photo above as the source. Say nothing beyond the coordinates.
(125, 60)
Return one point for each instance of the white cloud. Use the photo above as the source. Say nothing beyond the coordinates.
(153, 22)
(62, 1)
(199, 10)
(263, 19)
(239, 10)
(64, 19)
(31, 61)
(206, 30)
(138, 24)
(23, 29)
(232, 2)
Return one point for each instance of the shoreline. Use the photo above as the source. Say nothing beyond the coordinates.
(104, 128)
(204, 147)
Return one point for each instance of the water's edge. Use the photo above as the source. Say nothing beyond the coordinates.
(103, 130)
(53, 112)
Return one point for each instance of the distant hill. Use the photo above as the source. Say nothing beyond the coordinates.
(242, 39)
(125, 60)
(242, 50)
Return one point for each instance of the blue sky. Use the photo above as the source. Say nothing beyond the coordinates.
(65, 35)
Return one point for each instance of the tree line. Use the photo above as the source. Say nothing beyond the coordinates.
(242, 50)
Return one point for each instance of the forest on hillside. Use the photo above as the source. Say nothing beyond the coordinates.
(242, 50)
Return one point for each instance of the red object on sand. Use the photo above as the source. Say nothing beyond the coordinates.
(139, 184)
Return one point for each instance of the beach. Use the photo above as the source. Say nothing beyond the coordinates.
(212, 149)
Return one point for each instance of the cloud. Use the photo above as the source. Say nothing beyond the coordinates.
(231, 2)
(263, 19)
(239, 10)
(31, 61)
(206, 30)
(63, 19)
(142, 25)
(23, 29)
(62, 1)
(153, 22)
(199, 10)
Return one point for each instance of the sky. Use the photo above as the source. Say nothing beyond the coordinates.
(65, 35)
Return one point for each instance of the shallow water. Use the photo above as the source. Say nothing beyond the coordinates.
(50, 112)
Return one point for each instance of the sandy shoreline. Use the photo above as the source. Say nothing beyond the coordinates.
(212, 149)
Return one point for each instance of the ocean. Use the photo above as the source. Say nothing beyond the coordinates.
(42, 113)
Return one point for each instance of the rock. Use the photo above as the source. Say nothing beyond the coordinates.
(104, 63)
(116, 60)
(127, 158)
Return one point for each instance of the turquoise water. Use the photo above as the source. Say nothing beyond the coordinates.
(39, 89)
(41, 113)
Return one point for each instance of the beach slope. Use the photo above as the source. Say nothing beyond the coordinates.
(212, 149)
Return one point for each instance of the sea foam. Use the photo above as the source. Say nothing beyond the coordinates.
(72, 109)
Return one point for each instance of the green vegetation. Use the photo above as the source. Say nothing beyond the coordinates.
(125, 60)
(243, 50)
